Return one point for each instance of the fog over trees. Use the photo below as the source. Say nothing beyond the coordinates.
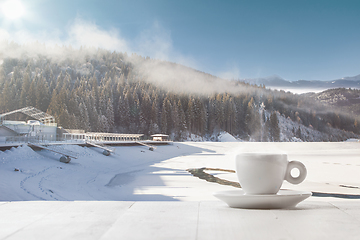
(108, 91)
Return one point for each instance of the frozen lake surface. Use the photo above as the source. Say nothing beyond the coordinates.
(135, 173)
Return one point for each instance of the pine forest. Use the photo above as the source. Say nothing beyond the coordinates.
(102, 91)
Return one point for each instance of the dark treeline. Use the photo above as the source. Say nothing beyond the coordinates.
(105, 92)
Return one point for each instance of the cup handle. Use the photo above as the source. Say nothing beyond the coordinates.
(302, 175)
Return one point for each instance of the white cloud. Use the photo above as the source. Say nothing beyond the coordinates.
(4, 35)
(155, 42)
(79, 33)
(83, 33)
(232, 73)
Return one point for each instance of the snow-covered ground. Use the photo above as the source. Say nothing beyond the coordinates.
(135, 173)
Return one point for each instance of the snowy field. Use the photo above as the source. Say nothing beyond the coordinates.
(136, 174)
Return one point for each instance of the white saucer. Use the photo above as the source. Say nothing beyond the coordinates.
(283, 199)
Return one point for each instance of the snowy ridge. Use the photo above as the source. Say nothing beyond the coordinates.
(223, 136)
(308, 134)
(226, 137)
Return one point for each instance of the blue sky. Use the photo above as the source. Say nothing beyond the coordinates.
(312, 40)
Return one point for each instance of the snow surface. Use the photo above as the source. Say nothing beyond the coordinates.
(135, 173)
(226, 137)
(222, 136)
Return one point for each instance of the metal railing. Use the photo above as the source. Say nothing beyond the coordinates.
(24, 139)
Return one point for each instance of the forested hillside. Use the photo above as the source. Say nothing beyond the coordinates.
(346, 99)
(106, 91)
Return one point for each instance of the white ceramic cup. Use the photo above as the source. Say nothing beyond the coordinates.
(264, 173)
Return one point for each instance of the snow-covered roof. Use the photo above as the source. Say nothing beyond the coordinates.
(113, 134)
(159, 135)
(34, 122)
(7, 122)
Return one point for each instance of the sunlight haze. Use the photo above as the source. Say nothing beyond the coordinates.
(12, 9)
(310, 40)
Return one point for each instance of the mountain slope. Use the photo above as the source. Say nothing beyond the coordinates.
(278, 82)
(341, 98)
(107, 91)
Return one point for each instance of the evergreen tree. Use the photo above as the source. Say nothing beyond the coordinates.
(182, 120)
(200, 117)
(84, 117)
(264, 128)
(211, 122)
(31, 99)
(166, 118)
(124, 114)
(103, 124)
(145, 113)
(6, 97)
(274, 128)
(252, 121)
(190, 116)
(24, 90)
(219, 112)
(42, 95)
(154, 126)
(230, 116)
(298, 133)
(164, 121)
(102, 103)
(110, 115)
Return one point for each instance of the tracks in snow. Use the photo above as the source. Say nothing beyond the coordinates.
(33, 185)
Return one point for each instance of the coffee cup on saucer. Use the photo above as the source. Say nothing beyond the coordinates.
(264, 173)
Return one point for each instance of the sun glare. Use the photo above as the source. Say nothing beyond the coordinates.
(13, 9)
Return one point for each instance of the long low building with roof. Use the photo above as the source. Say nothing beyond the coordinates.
(100, 136)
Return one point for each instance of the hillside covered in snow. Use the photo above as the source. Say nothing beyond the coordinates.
(102, 91)
(346, 99)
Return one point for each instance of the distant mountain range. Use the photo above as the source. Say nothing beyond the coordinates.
(278, 82)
